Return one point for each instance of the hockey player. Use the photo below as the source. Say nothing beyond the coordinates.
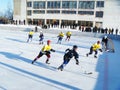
(105, 42)
(95, 47)
(41, 36)
(69, 53)
(68, 35)
(108, 44)
(60, 37)
(45, 51)
(30, 35)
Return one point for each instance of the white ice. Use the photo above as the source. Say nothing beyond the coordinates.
(17, 72)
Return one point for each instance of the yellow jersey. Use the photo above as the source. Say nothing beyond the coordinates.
(68, 33)
(46, 48)
(61, 35)
(31, 33)
(96, 46)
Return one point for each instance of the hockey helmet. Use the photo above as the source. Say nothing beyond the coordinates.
(75, 46)
(48, 41)
(105, 37)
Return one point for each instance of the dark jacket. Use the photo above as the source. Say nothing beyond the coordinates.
(69, 53)
(105, 40)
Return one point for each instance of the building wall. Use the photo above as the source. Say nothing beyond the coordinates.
(23, 10)
(17, 7)
(75, 17)
(19, 10)
(112, 14)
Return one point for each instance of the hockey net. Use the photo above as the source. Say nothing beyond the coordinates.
(110, 46)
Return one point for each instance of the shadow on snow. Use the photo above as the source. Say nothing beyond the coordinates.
(18, 57)
(2, 88)
(41, 77)
(16, 40)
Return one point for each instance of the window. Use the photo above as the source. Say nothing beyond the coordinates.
(53, 11)
(86, 12)
(86, 4)
(99, 14)
(29, 12)
(69, 4)
(53, 4)
(68, 12)
(38, 4)
(39, 11)
(29, 4)
(100, 4)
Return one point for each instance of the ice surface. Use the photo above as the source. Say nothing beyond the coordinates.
(17, 72)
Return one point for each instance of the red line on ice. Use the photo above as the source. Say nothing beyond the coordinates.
(105, 83)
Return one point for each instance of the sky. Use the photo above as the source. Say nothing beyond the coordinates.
(4, 4)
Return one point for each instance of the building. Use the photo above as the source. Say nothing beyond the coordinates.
(89, 13)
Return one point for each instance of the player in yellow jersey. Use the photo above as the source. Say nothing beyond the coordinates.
(60, 37)
(68, 35)
(95, 47)
(45, 51)
(30, 35)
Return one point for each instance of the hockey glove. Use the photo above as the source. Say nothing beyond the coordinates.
(52, 50)
(100, 50)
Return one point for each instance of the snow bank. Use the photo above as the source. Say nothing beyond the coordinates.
(56, 31)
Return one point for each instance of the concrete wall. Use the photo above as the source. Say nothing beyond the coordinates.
(111, 17)
(19, 10)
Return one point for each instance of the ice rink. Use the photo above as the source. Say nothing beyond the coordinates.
(17, 72)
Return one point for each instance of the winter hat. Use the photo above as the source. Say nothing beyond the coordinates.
(48, 41)
(75, 46)
(98, 42)
(105, 37)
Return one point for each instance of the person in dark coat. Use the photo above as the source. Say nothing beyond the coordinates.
(105, 42)
(41, 36)
(69, 53)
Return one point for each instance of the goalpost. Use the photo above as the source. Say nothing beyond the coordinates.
(110, 46)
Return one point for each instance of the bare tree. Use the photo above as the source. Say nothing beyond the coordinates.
(9, 12)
